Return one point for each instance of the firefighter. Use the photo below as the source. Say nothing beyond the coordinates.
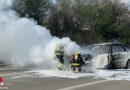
(77, 62)
(72, 60)
(60, 57)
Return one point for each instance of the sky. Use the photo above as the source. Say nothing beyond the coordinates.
(54, 1)
(126, 1)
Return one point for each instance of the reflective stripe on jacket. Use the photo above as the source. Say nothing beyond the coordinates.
(57, 53)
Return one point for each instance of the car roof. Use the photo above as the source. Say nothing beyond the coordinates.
(107, 44)
(111, 43)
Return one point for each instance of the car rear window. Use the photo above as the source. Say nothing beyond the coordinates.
(128, 49)
(117, 48)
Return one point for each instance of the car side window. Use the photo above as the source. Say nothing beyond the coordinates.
(117, 48)
(105, 49)
(95, 50)
(127, 49)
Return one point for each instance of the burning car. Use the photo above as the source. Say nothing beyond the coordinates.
(110, 55)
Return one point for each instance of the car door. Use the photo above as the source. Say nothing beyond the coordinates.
(101, 59)
(118, 55)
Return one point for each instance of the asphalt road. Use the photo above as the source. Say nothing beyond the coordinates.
(54, 83)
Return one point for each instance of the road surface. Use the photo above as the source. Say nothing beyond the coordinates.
(14, 82)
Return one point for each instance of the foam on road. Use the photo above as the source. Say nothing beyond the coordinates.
(119, 74)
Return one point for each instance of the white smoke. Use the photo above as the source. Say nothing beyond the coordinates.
(24, 43)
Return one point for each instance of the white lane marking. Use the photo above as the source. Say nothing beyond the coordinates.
(83, 85)
(14, 73)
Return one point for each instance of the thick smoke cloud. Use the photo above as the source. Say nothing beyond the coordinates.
(23, 43)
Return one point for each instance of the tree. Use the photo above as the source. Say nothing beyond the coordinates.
(84, 21)
(123, 31)
(62, 17)
(36, 9)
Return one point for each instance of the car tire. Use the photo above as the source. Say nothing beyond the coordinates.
(128, 64)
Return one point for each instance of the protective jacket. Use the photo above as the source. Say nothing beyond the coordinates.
(60, 55)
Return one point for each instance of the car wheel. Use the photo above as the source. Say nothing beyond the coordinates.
(128, 64)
